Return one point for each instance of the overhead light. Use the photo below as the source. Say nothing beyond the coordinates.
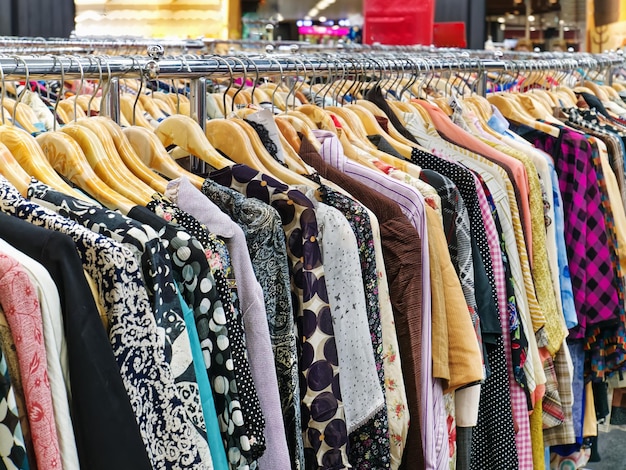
(501, 19)
(531, 18)
(307, 17)
(561, 22)
(566, 28)
(532, 28)
(299, 23)
(322, 19)
(313, 12)
(502, 27)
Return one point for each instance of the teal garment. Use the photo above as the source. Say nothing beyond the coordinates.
(216, 446)
(14, 449)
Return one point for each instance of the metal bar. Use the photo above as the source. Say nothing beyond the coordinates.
(47, 67)
(111, 100)
(197, 104)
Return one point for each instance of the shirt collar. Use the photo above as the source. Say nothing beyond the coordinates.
(331, 151)
(497, 121)
(218, 222)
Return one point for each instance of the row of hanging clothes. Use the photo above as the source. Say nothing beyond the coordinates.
(365, 263)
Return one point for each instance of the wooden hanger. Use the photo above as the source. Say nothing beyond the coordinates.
(274, 167)
(151, 151)
(302, 117)
(512, 110)
(612, 94)
(618, 86)
(66, 156)
(128, 155)
(112, 174)
(31, 158)
(104, 136)
(393, 132)
(83, 102)
(320, 119)
(599, 92)
(299, 126)
(567, 96)
(289, 133)
(24, 116)
(372, 127)
(187, 134)
(129, 108)
(292, 159)
(12, 171)
(151, 106)
(72, 113)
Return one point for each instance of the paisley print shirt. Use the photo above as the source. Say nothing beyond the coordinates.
(199, 289)
(265, 238)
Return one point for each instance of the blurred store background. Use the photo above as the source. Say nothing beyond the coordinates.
(574, 25)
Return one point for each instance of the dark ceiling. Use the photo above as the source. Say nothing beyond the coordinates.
(500, 7)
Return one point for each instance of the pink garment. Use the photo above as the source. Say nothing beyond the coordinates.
(21, 307)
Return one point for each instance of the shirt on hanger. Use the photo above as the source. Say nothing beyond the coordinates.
(380, 316)
(265, 238)
(325, 441)
(403, 265)
(96, 384)
(133, 337)
(21, 307)
(156, 266)
(57, 366)
(191, 200)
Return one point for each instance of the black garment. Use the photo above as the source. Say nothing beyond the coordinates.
(375, 95)
(486, 295)
(593, 102)
(214, 317)
(107, 435)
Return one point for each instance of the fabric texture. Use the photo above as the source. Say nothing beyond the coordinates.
(96, 383)
(266, 242)
(14, 449)
(21, 307)
(199, 289)
(190, 199)
(403, 266)
(156, 266)
(325, 433)
(133, 335)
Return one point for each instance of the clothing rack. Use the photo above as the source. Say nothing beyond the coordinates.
(380, 61)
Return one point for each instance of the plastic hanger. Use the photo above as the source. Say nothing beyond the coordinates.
(151, 151)
(66, 156)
